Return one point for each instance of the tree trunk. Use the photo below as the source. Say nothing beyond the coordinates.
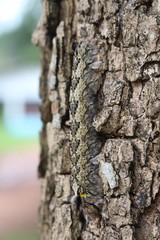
(101, 60)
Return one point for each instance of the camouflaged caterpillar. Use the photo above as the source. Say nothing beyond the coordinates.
(85, 142)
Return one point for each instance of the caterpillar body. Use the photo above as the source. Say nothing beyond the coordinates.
(85, 141)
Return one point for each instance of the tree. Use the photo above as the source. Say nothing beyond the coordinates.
(100, 59)
(15, 45)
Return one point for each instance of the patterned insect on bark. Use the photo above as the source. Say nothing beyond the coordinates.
(85, 142)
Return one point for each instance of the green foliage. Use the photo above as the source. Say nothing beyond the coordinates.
(16, 47)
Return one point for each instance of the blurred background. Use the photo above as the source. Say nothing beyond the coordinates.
(19, 120)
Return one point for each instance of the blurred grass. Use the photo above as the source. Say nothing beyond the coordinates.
(7, 142)
(25, 236)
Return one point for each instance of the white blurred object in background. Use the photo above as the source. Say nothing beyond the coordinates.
(20, 102)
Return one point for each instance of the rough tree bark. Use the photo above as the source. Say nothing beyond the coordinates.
(106, 185)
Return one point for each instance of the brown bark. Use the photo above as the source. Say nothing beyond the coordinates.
(126, 34)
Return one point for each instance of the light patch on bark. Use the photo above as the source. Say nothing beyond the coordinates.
(108, 175)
